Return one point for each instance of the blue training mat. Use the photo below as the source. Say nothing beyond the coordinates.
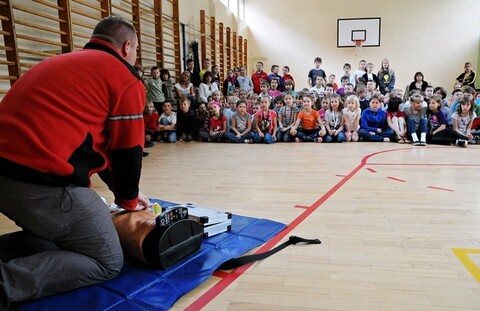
(140, 288)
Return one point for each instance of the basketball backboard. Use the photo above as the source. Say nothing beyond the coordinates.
(351, 29)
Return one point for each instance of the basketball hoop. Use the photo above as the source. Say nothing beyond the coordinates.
(358, 45)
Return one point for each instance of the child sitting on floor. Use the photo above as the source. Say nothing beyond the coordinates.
(334, 120)
(310, 120)
(416, 116)
(286, 119)
(218, 123)
(167, 123)
(373, 124)
(230, 110)
(241, 127)
(437, 123)
(351, 118)
(396, 120)
(264, 90)
(324, 104)
(274, 88)
(462, 121)
(187, 125)
(150, 119)
(319, 87)
(266, 123)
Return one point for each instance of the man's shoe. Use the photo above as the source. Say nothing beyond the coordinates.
(149, 144)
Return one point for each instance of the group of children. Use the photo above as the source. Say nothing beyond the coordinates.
(287, 119)
(322, 113)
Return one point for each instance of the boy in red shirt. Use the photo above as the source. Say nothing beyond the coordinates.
(258, 76)
(287, 75)
(150, 118)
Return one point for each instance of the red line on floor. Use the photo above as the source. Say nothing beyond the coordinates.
(220, 274)
(371, 169)
(439, 188)
(301, 206)
(216, 289)
(338, 175)
(396, 179)
(423, 164)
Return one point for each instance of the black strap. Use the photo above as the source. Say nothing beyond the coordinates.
(240, 261)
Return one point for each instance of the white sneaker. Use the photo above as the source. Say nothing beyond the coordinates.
(461, 143)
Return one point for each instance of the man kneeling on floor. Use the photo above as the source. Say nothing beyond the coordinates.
(81, 105)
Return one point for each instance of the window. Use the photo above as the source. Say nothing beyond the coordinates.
(237, 7)
(241, 10)
(233, 6)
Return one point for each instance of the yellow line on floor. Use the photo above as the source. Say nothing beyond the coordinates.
(462, 254)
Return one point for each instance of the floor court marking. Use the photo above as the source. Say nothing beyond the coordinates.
(440, 188)
(462, 255)
(423, 164)
(229, 278)
(220, 274)
(301, 206)
(371, 170)
(396, 179)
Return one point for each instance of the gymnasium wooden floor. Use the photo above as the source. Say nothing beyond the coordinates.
(399, 225)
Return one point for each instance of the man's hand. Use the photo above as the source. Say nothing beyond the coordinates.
(143, 202)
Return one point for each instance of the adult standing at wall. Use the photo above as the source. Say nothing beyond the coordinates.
(468, 76)
(258, 76)
(245, 82)
(386, 77)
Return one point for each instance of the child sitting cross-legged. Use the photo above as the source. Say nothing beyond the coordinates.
(373, 124)
(215, 124)
(218, 123)
(286, 119)
(334, 120)
(311, 123)
(266, 123)
(241, 126)
(351, 118)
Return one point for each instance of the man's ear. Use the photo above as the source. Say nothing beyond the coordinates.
(125, 50)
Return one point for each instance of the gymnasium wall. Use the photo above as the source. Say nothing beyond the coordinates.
(190, 16)
(35, 30)
(434, 37)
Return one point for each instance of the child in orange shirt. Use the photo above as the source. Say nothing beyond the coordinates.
(310, 121)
